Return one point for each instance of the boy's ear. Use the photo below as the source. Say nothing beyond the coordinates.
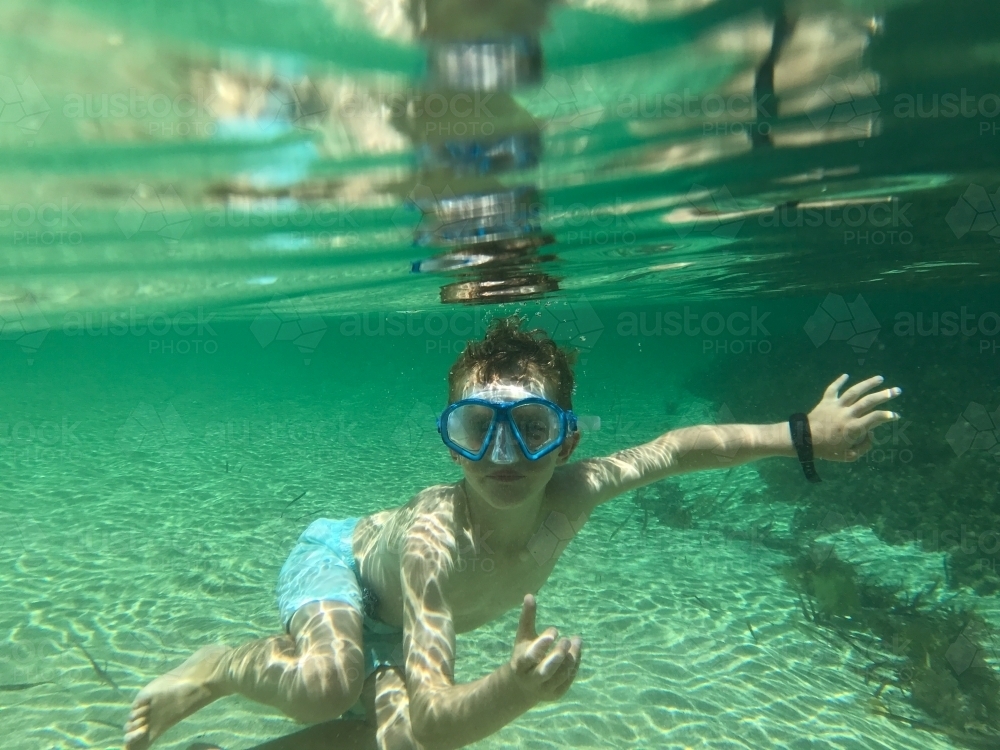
(568, 446)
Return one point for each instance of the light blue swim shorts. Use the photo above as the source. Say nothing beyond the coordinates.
(322, 567)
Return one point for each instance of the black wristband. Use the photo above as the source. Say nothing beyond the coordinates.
(802, 440)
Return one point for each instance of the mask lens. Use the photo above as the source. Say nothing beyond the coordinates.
(537, 424)
(468, 425)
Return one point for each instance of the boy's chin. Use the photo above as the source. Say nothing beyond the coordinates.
(504, 494)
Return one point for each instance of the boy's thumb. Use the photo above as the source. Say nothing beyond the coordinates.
(526, 625)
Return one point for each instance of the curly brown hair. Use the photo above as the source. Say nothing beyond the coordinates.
(508, 352)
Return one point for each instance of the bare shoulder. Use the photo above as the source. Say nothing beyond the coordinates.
(591, 481)
(394, 526)
(431, 522)
(576, 483)
(570, 492)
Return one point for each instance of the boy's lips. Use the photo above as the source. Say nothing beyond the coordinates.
(505, 476)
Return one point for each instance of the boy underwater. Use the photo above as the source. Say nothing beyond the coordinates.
(371, 605)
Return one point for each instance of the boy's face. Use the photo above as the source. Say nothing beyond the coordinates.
(505, 485)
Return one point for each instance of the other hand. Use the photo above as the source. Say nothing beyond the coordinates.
(543, 667)
(841, 423)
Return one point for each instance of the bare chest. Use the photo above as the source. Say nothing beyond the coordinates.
(484, 585)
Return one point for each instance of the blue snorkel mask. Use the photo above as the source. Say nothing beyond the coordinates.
(503, 416)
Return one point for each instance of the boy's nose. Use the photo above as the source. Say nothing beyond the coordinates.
(503, 446)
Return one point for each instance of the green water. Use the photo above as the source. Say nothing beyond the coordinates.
(208, 307)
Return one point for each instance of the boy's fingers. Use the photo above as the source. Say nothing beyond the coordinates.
(526, 625)
(567, 671)
(575, 648)
(873, 420)
(553, 661)
(537, 650)
(852, 394)
(874, 399)
(833, 390)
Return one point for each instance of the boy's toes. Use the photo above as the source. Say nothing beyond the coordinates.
(135, 724)
(137, 728)
(138, 710)
(137, 739)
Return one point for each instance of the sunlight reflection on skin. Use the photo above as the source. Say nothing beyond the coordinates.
(313, 674)
(413, 553)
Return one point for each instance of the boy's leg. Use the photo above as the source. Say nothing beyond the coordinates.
(391, 710)
(314, 674)
(387, 727)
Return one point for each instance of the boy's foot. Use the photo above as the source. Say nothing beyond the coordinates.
(173, 696)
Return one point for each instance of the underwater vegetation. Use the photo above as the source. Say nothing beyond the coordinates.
(918, 643)
(663, 501)
(928, 649)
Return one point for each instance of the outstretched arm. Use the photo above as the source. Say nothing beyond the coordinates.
(841, 425)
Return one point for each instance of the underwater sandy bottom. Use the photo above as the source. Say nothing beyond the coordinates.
(144, 551)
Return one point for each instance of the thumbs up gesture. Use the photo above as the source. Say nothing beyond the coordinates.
(544, 666)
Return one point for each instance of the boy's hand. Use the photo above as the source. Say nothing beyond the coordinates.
(542, 668)
(841, 423)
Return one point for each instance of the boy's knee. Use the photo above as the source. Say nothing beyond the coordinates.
(326, 688)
